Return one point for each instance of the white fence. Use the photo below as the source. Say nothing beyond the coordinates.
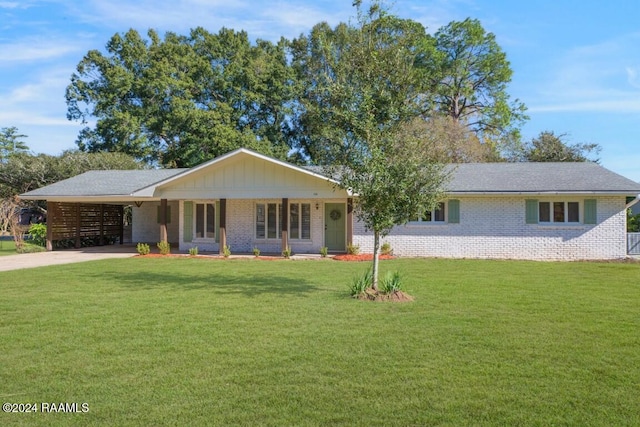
(633, 243)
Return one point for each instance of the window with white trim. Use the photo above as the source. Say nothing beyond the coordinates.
(269, 221)
(558, 212)
(435, 216)
(204, 221)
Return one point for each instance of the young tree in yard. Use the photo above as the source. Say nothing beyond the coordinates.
(363, 96)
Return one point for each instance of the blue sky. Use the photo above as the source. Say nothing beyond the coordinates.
(576, 63)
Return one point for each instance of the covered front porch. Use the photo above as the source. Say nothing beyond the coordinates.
(271, 225)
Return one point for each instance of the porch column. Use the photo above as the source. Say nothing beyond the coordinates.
(78, 226)
(163, 220)
(51, 217)
(223, 225)
(285, 223)
(121, 213)
(349, 221)
(101, 239)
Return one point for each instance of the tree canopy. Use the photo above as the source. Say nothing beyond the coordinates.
(25, 172)
(549, 147)
(11, 142)
(178, 100)
(468, 76)
(181, 100)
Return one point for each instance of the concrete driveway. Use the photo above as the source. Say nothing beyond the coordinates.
(67, 256)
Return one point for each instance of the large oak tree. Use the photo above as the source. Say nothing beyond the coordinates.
(181, 100)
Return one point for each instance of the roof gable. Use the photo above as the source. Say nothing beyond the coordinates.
(245, 174)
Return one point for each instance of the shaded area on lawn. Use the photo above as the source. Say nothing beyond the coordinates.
(177, 274)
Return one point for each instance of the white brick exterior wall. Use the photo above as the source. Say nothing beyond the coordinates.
(494, 227)
(145, 228)
(489, 227)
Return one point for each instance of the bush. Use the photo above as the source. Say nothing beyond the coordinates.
(164, 248)
(391, 283)
(226, 251)
(324, 251)
(27, 248)
(38, 234)
(385, 249)
(360, 284)
(287, 252)
(143, 249)
(256, 252)
(633, 222)
(193, 251)
(353, 249)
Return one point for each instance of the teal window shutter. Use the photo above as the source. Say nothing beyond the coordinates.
(187, 230)
(454, 211)
(531, 211)
(590, 211)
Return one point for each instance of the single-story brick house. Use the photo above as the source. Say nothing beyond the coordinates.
(539, 211)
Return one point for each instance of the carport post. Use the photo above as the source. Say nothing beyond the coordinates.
(51, 209)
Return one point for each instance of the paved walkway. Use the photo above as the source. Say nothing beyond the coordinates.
(67, 256)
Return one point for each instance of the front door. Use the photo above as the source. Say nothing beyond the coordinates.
(335, 237)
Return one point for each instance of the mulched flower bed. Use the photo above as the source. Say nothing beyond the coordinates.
(372, 295)
(360, 257)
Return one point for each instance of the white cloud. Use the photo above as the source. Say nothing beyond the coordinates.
(35, 49)
(619, 105)
(595, 78)
(632, 77)
(9, 5)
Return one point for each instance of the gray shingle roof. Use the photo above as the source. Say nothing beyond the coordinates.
(538, 177)
(467, 178)
(104, 183)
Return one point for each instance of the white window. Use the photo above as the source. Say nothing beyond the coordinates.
(559, 212)
(204, 221)
(435, 216)
(300, 221)
(269, 221)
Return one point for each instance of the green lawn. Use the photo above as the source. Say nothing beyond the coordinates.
(153, 342)
(7, 247)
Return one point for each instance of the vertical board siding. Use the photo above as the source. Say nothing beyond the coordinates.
(633, 243)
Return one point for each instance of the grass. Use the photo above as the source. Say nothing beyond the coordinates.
(7, 247)
(243, 342)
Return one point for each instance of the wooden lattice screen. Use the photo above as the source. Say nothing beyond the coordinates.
(83, 222)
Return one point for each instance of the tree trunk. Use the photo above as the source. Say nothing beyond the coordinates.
(376, 250)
